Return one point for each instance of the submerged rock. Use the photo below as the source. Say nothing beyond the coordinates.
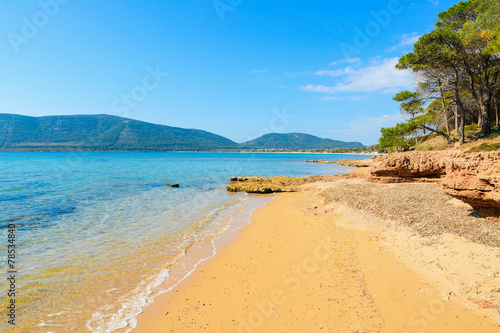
(172, 185)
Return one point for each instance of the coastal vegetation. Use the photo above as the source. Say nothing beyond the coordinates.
(458, 68)
(295, 141)
(111, 133)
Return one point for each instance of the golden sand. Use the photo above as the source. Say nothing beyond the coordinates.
(292, 270)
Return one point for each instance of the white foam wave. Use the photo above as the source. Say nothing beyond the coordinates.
(141, 297)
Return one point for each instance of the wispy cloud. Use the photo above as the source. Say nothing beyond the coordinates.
(380, 76)
(334, 72)
(346, 61)
(406, 39)
(329, 98)
(345, 98)
(256, 73)
(295, 74)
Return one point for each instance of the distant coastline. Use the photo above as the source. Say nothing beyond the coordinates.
(193, 151)
(107, 133)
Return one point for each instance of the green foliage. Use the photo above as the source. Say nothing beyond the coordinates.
(485, 147)
(457, 15)
(101, 133)
(487, 24)
(472, 128)
(411, 102)
(110, 133)
(295, 141)
(459, 60)
(396, 137)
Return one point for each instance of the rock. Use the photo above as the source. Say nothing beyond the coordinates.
(475, 179)
(411, 165)
(172, 185)
(471, 177)
(357, 163)
(272, 184)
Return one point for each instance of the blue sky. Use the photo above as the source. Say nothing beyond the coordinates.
(232, 67)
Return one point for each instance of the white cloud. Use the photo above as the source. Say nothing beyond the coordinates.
(256, 71)
(334, 72)
(380, 76)
(290, 75)
(366, 130)
(329, 98)
(346, 61)
(346, 98)
(406, 39)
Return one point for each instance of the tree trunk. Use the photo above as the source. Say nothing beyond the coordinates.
(461, 111)
(447, 124)
(496, 112)
(443, 105)
(456, 118)
(485, 118)
(461, 131)
(447, 137)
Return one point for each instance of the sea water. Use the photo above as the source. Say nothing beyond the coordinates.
(98, 235)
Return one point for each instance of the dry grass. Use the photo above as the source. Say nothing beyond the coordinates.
(437, 142)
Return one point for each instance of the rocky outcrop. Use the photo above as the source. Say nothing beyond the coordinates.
(475, 179)
(411, 165)
(471, 177)
(272, 184)
(358, 163)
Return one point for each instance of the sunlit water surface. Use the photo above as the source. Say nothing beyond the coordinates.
(98, 235)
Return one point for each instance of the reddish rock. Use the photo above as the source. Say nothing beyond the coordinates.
(475, 179)
(411, 165)
(471, 177)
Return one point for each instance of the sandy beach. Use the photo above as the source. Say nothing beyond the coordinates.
(309, 263)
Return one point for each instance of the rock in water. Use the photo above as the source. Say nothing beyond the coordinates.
(172, 185)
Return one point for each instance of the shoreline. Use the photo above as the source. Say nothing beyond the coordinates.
(243, 288)
(189, 152)
(221, 230)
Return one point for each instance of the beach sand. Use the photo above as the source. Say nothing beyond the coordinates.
(301, 266)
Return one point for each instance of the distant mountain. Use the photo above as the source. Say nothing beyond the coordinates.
(110, 133)
(294, 141)
(101, 133)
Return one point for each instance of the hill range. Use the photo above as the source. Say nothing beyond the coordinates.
(111, 133)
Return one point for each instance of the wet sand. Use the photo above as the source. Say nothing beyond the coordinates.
(300, 266)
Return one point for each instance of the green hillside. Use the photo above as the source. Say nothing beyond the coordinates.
(294, 141)
(101, 133)
(111, 133)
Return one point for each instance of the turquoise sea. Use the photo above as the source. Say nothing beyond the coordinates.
(98, 236)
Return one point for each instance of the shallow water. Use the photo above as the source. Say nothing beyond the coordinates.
(97, 234)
